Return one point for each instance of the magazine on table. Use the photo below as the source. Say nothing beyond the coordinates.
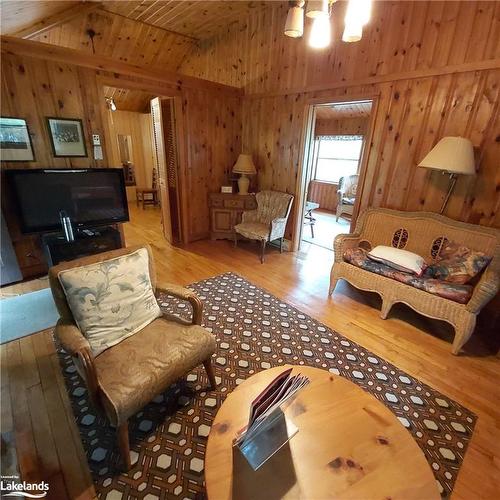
(264, 407)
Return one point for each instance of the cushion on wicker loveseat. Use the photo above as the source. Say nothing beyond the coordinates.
(452, 291)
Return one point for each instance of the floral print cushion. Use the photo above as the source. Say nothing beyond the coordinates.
(111, 300)
(452, 291)
(458, 264)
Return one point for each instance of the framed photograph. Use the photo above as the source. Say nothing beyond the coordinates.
(66, 136)
(15, 140)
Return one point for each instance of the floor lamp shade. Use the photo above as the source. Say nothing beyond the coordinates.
(454, 155)
(244, 165)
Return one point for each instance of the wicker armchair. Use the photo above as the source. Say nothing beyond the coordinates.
(346, 195)
(422, 233)
(125, 377)
(268, 221)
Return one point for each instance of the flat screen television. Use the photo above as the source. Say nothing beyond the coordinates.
(90, 197)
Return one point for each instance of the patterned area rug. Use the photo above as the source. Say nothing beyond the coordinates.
(255, 331)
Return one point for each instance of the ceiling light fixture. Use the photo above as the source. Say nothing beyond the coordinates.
(111, 103)
(320, 32)
(352, 33)
(294, 26)
(358, 14)
(316, 8)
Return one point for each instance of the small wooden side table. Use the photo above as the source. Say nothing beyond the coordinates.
(225, 212)
(349, 445)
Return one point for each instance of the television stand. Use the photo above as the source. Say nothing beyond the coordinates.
(87, 242)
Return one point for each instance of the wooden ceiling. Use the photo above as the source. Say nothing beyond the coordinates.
(15, 15)
(344, 110)
(199, 19)
(129, 100)
(122, 39)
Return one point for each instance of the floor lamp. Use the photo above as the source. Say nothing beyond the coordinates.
(453, 156)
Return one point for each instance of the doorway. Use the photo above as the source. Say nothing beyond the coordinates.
(143, 134)
(334, 158)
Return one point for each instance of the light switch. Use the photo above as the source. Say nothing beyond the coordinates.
(96, 140)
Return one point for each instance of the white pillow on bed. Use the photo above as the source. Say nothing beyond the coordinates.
(402, 260)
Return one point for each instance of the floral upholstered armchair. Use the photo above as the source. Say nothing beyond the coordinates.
(124, 347)
(268, 221)
(346, 194)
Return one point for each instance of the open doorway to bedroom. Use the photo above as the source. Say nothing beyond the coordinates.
(336, 149)
(143, 134)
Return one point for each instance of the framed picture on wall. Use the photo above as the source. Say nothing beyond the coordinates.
(66, 136)
(15, 140)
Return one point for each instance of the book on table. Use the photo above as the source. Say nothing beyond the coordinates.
(267, 429)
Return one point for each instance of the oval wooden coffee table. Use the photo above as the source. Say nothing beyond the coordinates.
(349, 446)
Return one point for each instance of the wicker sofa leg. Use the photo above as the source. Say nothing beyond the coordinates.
(333, 280)
(386, 307)
(463, 332)
(333, 283)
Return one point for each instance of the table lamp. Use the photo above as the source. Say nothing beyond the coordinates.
(244, 166)
(451, 155)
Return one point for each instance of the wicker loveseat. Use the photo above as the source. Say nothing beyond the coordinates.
(424, 234)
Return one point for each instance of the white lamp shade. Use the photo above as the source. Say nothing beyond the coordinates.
(352, 33)
(451, 154)
(294, 26)
(320, 32)
(316, 8)
(358, 12)
(244, 165)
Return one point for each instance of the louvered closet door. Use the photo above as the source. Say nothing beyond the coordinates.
(160, 166)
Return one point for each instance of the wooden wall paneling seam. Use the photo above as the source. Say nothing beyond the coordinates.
(74, 57)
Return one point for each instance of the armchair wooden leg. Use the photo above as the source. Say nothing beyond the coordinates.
(124, 444)
(210, 372)
(235, 239)
(262, 251)
(281, 245)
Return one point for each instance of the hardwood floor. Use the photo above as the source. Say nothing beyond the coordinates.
(36, 411)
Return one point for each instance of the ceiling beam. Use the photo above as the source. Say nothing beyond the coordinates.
(46, 24)
(49, 52)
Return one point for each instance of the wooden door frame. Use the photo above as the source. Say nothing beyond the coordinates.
(165, 92)
(305, 147)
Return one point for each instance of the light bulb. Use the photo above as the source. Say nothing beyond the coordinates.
(358, 12)
(316, 8)
(113, 105)
(294, 26)
(352, 33)
(320, 32)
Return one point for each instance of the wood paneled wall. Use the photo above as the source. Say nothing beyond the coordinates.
(324, 193)
(34, 87)
(411, 116)
(402, 36)
(425, 63)
(341, 126)
(122, 39)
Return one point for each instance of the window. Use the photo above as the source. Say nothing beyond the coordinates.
(338, 156)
